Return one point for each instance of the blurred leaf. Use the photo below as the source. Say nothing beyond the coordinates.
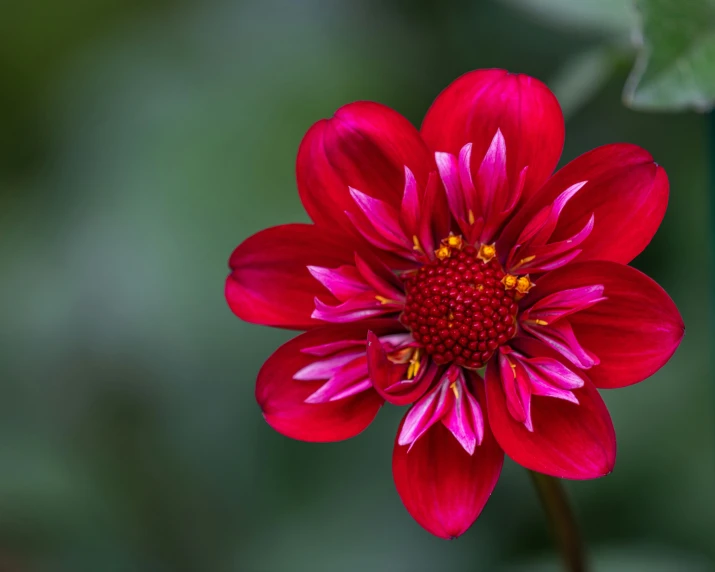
(582, 77)
(615, 16)
(675, 69)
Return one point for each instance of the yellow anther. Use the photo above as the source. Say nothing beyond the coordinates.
(513, 368)
(471, 216)
(455, 389)
(384, 300)
(524, 261)
(539, 322)
(454, 241)
(523, 284)
(443, 252)
(416, 244)
(509, 281)
(487, 252)
(414, 366)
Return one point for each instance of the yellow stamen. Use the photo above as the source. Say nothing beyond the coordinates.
(471, 216)
(443, 252)
(454, 241)
(414, 366)
(539, 322)
(523, 284)
(524, 261)
(384, 300)
(455, 389)
(487, 252)
(509, 281)
(416, 242)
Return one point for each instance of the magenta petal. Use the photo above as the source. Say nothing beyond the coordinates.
(283, 398)
(560, 337)
(427, 412)
(633, 332)
(343, 282)
(625, 191)
(270, 282)
(382, 217)
(569, 440)
(472, 108)
(464, 418)
(410, 209)
(448, 166)
(441, 485)
(365, 146)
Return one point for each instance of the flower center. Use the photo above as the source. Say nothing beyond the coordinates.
(462, 306)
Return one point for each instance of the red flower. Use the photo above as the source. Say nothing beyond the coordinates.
(436, 253)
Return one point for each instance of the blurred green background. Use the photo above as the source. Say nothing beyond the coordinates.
(140, 142)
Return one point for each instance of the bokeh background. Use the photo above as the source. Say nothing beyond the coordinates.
(140, 142)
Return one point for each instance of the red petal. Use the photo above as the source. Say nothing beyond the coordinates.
(572, 441)
(365, 146)
(270, 283)
(634, 332)
(282, 398)
(442, 486)
(626, 192)
(472, 108)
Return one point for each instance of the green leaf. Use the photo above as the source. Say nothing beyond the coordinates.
(675, 68)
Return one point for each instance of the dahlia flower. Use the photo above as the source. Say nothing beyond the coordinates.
(448, 269)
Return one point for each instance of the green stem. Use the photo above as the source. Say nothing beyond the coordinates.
(561, 520)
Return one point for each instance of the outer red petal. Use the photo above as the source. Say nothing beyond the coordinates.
(269, 281)
(626, 192)
(440, 484)
(366, 146)
(282, 398)
(473, 107)
(634, 332)
(569, 441)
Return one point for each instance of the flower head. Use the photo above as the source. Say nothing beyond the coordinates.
(441, 254)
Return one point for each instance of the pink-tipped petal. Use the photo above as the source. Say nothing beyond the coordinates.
(451, 402)
(476, 105)
(270, 282)
(560, 337)
(410, 208)
(427, 412)
(626, 192)
(569, 440)
(496, 197)
(343, 282)
(365, 146)
(634, 331)
(442, 486)
(535, 249)
(464, 418)
(282, 398)
(357, 308)
(435, 221)
(448, 166)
